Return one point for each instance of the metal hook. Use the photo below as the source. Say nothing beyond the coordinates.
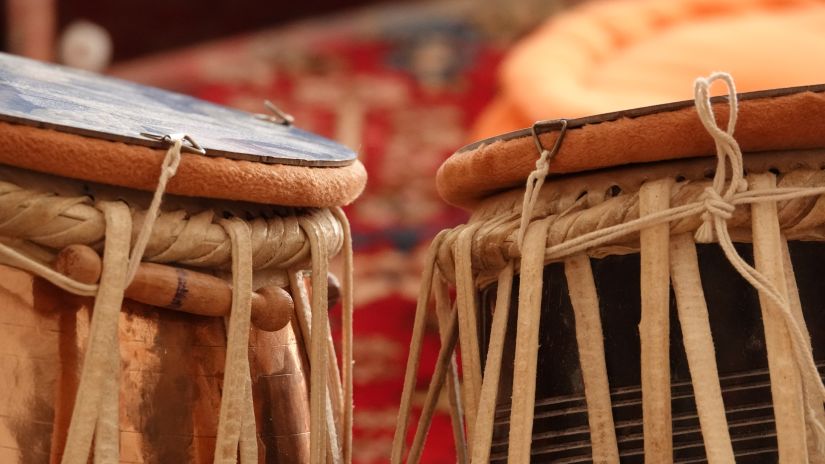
(547, 126)
(192, 147)
(278, 116)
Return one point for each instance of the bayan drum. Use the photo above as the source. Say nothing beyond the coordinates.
(185, 327)
(647, 303)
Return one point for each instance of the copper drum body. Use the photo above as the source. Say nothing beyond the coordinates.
(171, 378)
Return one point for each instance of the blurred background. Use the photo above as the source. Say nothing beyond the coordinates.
(407, 83)
(399, 82)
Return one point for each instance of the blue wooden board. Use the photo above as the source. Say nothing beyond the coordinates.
(79, 102)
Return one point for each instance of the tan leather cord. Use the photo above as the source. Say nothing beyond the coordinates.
(436, 385)
(319, 398)
(102, 339)
(816, 455)
(786, 383)
(485, 415)
(654, 326)
(589, 339)
(467, 309)
(233, 409)
(527, 344)
(249, 429)
(701, 355)
(99, 406)
(405, 406)
(443, 309)
(346, 335)
(303, 313)
(492, 369)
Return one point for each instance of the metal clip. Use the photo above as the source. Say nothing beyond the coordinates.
(547, 126)
(278, 115)
(191, 147)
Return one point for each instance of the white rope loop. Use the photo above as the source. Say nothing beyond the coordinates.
(536, 179)
(167, 170)
(718, 199)
(531, 194)
(719, 208)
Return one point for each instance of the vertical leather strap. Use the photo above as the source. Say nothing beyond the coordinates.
(696, 336)
(786, 384)
(492, 369)
(590, 341)
(468, 325)
(98, 383)
(816, 455)
(527, 342)
(443, 310)
(654, 327)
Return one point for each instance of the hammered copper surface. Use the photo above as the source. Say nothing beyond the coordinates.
(171, 373)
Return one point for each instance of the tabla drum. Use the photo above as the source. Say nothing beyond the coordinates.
(164, 277)
(622, 296)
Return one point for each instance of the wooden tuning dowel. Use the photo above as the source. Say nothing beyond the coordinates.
(180, 289)
(333, 290)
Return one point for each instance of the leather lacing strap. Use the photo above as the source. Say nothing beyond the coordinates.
(96, 406)
(92, 408)
(346, 335)
(236, 413)
(405, 407)
(564, 236)
(311, 316)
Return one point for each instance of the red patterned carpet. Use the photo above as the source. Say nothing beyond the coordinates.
(402, 86)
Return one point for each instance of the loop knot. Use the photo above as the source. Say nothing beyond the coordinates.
(715, 207)
(536, 178)
(531, 193)
(542, 165)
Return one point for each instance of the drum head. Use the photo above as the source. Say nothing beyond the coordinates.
(770, 120)
(639, 112)
(78, 102)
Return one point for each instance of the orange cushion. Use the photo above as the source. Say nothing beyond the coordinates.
(616, 54)
(789, 119)
(116, 163)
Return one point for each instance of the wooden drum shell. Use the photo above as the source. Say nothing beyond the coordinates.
(560, 427)
(171, 378)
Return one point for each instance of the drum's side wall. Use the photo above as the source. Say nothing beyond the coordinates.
(171, 379)
(560, 428)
